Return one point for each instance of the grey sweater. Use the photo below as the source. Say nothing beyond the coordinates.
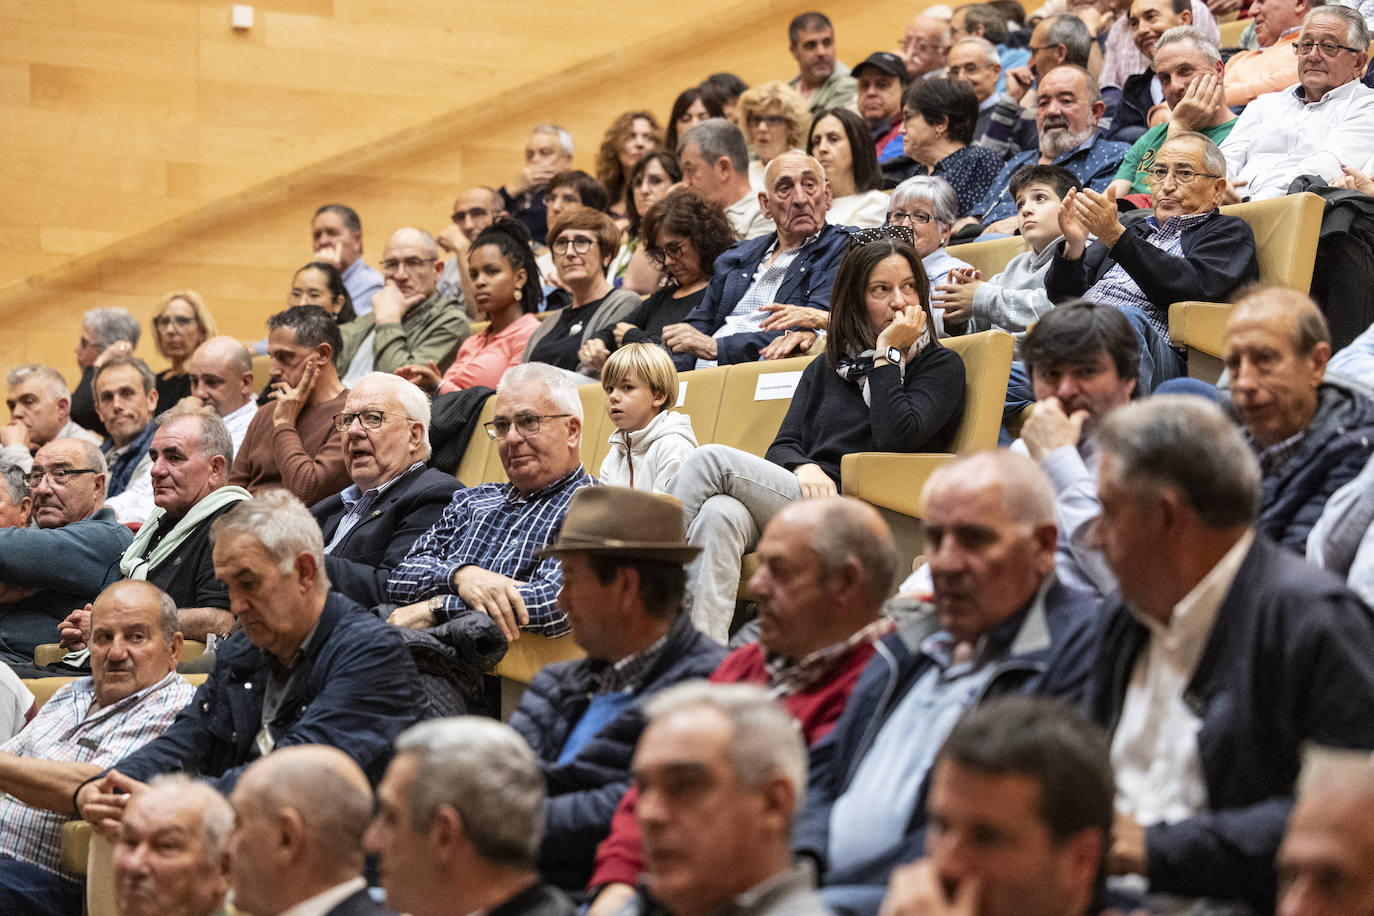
(1016, 298)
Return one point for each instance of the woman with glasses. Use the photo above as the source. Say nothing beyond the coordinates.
(573, 188)
(181, 323)
(774, 117)
(927, 206)
(688, 232)
(884, 384)
(632, 137)
(649, 182)
(582, 242)
(506, 293)
(938, 119)
(842, 144)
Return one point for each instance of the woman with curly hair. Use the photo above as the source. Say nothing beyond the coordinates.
(687, 233)
(691, 108)
(774, 117)
(627, 141)
(649, 183)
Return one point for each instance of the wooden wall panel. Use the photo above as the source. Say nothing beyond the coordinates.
(149, 147)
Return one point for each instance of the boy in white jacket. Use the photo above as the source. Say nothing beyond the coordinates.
(650, 441)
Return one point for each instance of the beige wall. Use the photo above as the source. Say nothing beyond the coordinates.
(148, 147)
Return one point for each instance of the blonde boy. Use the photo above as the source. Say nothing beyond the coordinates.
(650, 441)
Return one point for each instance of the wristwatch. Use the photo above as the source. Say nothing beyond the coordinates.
(893, 355)
(435, 604)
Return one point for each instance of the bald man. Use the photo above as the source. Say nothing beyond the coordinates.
(1312, 434)
(473, 210)
(1326, 862)
(411, 323)
(310, 806)
(169, 856)
(221, 372)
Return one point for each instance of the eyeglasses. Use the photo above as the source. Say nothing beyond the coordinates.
(370, 419)
(673, 250)
(969, 69)
(914, 218)
(526, 424)
(754, 120)
(1329, 49)
(579, 245)
(1157, 174)
(476, 213)
(1033, 49)
(166, 321)
(57, 475)
(864, 236)
(391, 265)
(911, 44)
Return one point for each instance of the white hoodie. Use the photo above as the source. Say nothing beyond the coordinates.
(650, 458)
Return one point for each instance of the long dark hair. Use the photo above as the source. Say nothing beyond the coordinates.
(867, 175)
(851, 331)
(674, 172)
(334, 279)
(512, 238)
(709, 100)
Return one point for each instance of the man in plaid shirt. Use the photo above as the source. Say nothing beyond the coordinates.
(481, 554)
(130, 698)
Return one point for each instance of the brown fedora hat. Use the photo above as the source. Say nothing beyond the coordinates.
(621, 522)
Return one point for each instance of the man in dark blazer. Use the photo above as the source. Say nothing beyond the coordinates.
(1224, 655)
(369, 527)
(300, 817)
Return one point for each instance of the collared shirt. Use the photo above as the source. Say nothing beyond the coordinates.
(493, 526)
(788, 677)
(68, 729)
(840, 90)
(628, 673)
(361, 282)
(1254, 72)
(236, 421)
(1121, 58)
(747, 217)
(790, 891)
(1154, 750)
(324, 902)
(748, 314)
(1280, 136)
(357, 504)
(1274, 457)
(281, 678)
(1118, 288)
(130, 485)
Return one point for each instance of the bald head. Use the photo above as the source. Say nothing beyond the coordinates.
(411, 262)
(1325, 860)
(169, 856)
(1026, 494)
(797, 197)
(1276, 349)
(844, 530)
(221, 373)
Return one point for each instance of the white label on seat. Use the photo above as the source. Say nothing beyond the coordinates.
(776, 386)
(681, 394)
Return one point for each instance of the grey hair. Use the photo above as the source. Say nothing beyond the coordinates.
(1186, 34)
(52, 381)
(561, 391)
(845, 530)
(216, 814)
(565, 139)
(167, 620)
(1186, 444)
(16, 482)
(91, 452)
(717, 137)
(214, 436)
(982, 44)
(1212, 156)
(1356, 29)
(427, 243)
(765, 740)
(928, 189)
(1068, 30)
(487, 773)
(412, 399)
(111, 325)
(1026, 492)
(281, 524)
(145, 375)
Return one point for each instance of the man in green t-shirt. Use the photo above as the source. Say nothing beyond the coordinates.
(1189, 68)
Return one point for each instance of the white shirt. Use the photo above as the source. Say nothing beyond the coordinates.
(323, 902)
(747, 217)
(237, 421)
(865, 209)
(15, 703)
(1279, 137)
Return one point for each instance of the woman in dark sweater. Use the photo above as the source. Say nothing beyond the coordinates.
(885, 384)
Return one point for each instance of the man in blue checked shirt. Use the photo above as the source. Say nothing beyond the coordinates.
(481, 555)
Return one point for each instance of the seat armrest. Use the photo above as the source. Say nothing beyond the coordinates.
(1199, 325)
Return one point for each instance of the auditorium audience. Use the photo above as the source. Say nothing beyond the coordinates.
(221, 373)
(1123, 58)
(822, 82)
(566, 190)
(293, 443)
(690, 108)
(1057, 41)
(715, 164)
(1142, 104)
(126, 399)
(104, 333)
(171, 855)
(649, 183)
(884, 384)
(840, 142)
(775, 119)
(1224, 655)
(1270, 67)
(988, 22)
(464, 563)
(974, 61)
(882, 79)
(337, 237)
(548, 151)
(393, 498)
(629, 139)
(131, 696)
(181, 323)
(40, 411)
(473, 210)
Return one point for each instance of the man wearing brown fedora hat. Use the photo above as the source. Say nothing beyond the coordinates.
(623, 554)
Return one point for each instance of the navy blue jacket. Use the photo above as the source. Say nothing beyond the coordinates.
(358, 695)
(584, 791)
(1290, 659)
(360, 564)
(809, 280)
(1046, 652)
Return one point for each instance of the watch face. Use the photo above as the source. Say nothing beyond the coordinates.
(894, 355)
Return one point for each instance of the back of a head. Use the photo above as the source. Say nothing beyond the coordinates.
(993, 21)
(717, 138)
(111, 325)
(1071, 32)
(281, 524)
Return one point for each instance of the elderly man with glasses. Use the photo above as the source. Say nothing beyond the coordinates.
(1142, 262)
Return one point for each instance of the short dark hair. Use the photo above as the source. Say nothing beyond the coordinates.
(862, 153)
(312, 326)
(807, 22)
(145, 374)
(1055, 176)
(685, 212)
(726, 84)
(334, 280)
(661, 583)
(939, 99)
(851, 330)
(1046, 740)
(588, 189)
(1075, 331)
(348, 214)
(511, 237)
(668, 162)
(992, 19)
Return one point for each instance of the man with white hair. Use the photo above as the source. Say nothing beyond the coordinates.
(221, 374)
(171, 856)
(103, 331)
(370, 527)
(975, 61)
(39, 404)
(548, 151)
(482, 553)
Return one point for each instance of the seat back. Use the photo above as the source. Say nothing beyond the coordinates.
(473, 465)
(262, 373)
(987, 364)
(1286, 230)
(989, 257)
(753, 402)
(1232, 31)
(596, 426)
